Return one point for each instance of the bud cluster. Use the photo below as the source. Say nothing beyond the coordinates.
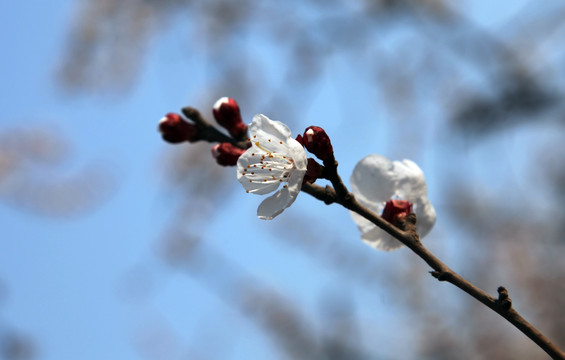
(175, 129)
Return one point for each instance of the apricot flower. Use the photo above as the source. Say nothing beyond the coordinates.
(274, 159)
(376, 181)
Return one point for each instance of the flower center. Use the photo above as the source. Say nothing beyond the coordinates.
(395, 210)
(270, 167)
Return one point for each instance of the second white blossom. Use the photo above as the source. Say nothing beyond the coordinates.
(376, 180)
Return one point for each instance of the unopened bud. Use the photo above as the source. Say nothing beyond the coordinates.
(226, 154)
(316, 141)
(175, 129)
(313, 171)
(227, 114)
(396, 210)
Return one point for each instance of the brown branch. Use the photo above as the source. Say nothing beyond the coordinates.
(501, 305)
(330, 173)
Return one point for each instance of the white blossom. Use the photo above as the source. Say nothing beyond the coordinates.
(376, 180)
(274, 159)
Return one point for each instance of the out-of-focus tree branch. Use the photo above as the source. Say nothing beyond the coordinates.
(30, 162)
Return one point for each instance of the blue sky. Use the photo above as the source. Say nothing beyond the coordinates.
(67, 280)
(62, 275)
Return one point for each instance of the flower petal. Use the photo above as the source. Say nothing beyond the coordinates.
(373, 179)
(275, 204)
(296, 150)
(273, 158)
(264, 127)
(411, 181)
(295, 182)
(381, 240)
(425, 215)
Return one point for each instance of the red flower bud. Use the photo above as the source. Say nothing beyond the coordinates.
(395, 210)
(226, 154)
(175, 129)
(316, 141)
(226, 112)
(313, 171)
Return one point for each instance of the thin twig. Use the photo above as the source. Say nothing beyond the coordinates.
(209, 132)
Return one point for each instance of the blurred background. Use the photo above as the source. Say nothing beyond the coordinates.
(117, 245)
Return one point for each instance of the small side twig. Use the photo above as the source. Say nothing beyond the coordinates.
(209, 132)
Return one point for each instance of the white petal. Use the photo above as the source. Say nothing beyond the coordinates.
(298, 154)
(363, 224)
(259, 188)
(381, 240)
(244, 160)
(275, 204)
(266, 143)
(295, 181)
(425, 216)
(373, 179)
(265, 127)
(411, 182)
